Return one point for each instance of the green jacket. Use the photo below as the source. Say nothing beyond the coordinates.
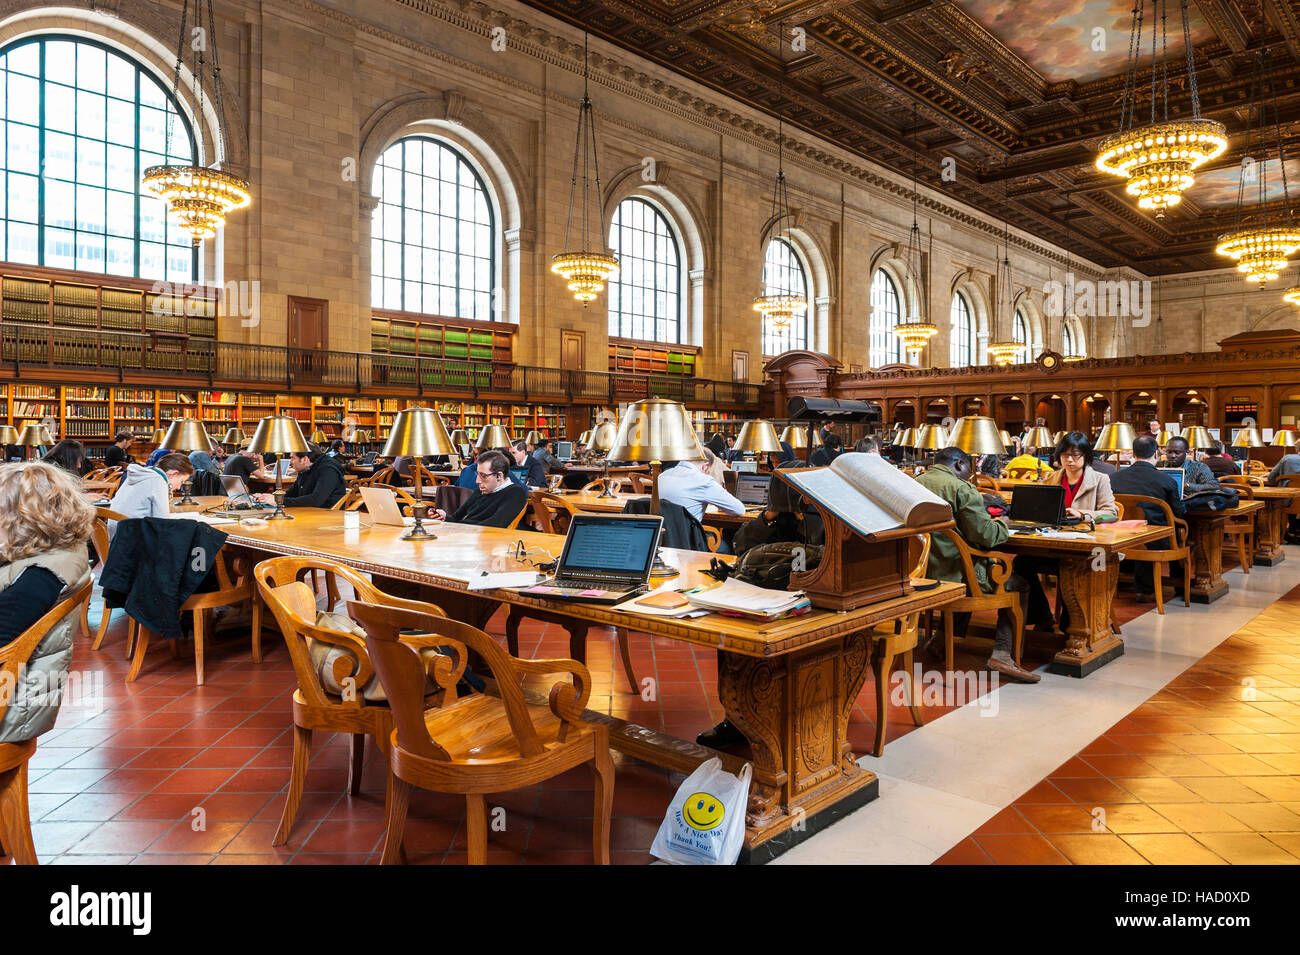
(974, 526)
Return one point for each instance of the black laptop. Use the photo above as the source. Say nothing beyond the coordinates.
(751, 489)
(606, 559)
(1038, 506)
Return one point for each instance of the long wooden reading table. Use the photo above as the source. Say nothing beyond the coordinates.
(788, 685)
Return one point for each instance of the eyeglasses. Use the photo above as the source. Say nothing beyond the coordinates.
(1072, 455)
(530, 555)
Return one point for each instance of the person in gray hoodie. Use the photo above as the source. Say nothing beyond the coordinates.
(146, 491)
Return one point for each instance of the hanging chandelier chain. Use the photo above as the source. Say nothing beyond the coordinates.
(219, 153)
(1250, 137)
(1154, 71)
(1164, 58)
(1128, 109)
(176, 77)
(1281, 147)
(1191, 63)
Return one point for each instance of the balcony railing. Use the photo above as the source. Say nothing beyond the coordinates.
(28, 350)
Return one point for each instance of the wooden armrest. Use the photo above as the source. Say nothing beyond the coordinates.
(1000, 566)
(581, 677)
(361, 671)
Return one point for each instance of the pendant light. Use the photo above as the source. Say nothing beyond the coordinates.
(781, 309)
(586, 271)
(916, 332)
(1157, 159)
(1005, 351)
(1068, 312)
(198, 197)
(1261, 247)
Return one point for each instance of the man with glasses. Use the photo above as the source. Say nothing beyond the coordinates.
(498, 500)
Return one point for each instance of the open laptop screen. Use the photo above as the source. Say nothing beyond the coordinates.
(752, 488)
(563, 450)
(614, 546)
(1179, 475)
(1037, 503)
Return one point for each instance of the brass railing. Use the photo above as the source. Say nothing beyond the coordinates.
(29, 350)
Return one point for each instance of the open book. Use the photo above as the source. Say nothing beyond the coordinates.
(870, 495)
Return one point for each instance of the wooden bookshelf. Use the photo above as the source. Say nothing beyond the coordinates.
(632, 357)
(433, 336)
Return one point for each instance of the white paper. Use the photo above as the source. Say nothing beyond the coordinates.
(518, 578)
(865, 491)
(741, 597)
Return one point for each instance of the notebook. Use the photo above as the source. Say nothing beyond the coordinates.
(381, 504)
(606, 558)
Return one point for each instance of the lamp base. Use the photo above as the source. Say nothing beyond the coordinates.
(660, 569)
(278, 514)
(418, 532)
(185, 494)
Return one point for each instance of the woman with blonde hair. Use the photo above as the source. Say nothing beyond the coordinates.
(45, 522)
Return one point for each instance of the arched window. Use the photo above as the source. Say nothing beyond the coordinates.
(886, 312)
(645, 300)
(1067, 340)
(433, 238)
(783, 274)
(962, 349)
(1020, 334)
(81, 124)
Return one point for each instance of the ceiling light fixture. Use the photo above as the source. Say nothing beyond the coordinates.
(1007, 351)
(780, 309)
(1157, 160)
(916, 332)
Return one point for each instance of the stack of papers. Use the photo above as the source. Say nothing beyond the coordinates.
(746, 600)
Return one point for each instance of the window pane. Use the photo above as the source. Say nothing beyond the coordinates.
(783, 274)
(642, 298)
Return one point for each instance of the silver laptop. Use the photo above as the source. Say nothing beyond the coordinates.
(751, 489)
(606, 559)
(237, 492)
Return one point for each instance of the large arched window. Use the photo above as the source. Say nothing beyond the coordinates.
(433, 240)
(1068, 343)
(961, 350)
(783, 274)
(886, 312)
(1020, 334)
(81, 124)
(645, 300)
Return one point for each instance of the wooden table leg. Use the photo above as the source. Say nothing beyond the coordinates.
(1206, 534)
(1090, 641)
(1268, 532)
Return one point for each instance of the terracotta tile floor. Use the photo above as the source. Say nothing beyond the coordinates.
(1205, 772)
(168, 772)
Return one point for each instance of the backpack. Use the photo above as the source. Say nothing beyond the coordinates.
(770, 565)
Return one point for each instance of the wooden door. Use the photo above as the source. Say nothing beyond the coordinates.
(308, 337)
(573, 355)
(740, 366)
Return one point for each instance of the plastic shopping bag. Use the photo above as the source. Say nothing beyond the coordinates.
(705, 824)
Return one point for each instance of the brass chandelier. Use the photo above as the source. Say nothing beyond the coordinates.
(1261, 248)
(780, 309)
(1159, 158)
(1292, 294)
(585, 271)
(198, 197)
(915, 333)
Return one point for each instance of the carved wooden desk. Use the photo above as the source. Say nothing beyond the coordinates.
(1205, 534)
(1270, 523)
(788, 685)
(1089, 575)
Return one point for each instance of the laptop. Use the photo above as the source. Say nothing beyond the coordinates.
(381, 504)
(237, 494)
(1037, 506)
(1180, 478)
(751, 489)
(606, 558)
(747, 466)
(369, 457)
(564, 450)
(283, 465)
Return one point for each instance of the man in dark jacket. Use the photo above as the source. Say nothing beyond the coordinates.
(498, 500)
(1219, 463)
(320, 481)
(831, 447)
(1142, 477)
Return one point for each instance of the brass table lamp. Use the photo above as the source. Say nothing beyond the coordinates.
(416, 432)
(977, 435)
(319, 437)
(1115, 437)
(758, 437)
(1248, 438)
(906, 439)
(8, 438)
(158, 435)
(795, 436)
(31, 437)
(1198, 438)
(1002, 433)
(1282, 439)
(1162, 437)
(492, 436)
(458, 438)
(602, 438)
(1039, 438)
(652, 431)
(278, 434)
(234, 437)
(533, 437)
(185, 435)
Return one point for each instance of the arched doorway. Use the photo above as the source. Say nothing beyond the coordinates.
(1139, 408)
(936, 410)
(1093, 411)
(1011, 414)
(1190, 409)
(972, 407)
(904, 413)
(1052, 409)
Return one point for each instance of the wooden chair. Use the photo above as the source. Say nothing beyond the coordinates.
(976, 600)
(15, 820)
(642, 484)
(987, 483)
(234, 586)
(553, 512)
(1027, 474)
(615, 485)
(384, 476)
(895, 639)
(480, 744)
(1240, 531)
(1255, 468)
(100, 541)
(1177, 542)
(1242, 480)
(314, 706)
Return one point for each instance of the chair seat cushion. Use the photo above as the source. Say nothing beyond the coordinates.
(477, 729)
(324, 655)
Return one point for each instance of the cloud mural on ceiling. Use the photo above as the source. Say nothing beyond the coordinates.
(1055, 37)
(1219, 188)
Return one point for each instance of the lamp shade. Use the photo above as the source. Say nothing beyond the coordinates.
(319, 437)
(1248, 438)
(931, 437)
(602, 436)
(584, 439)
(1056, 438)
(656, 429)
(492, 436)
(234, 436)
(8, 434)
(1117, 436)
(186, 434)
(757, 436)
(1038, 438)
(158, 435)
(362, 436)
(30, 436)
(906, 438)
(795, 436)
(1002, 434)
(976, 434)
(278, 434)
(419, 431)
(533, 437)
(1281, 439)
(1198, 438)
(1162, 437)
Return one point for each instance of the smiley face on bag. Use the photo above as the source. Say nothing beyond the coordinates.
(703, 812)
